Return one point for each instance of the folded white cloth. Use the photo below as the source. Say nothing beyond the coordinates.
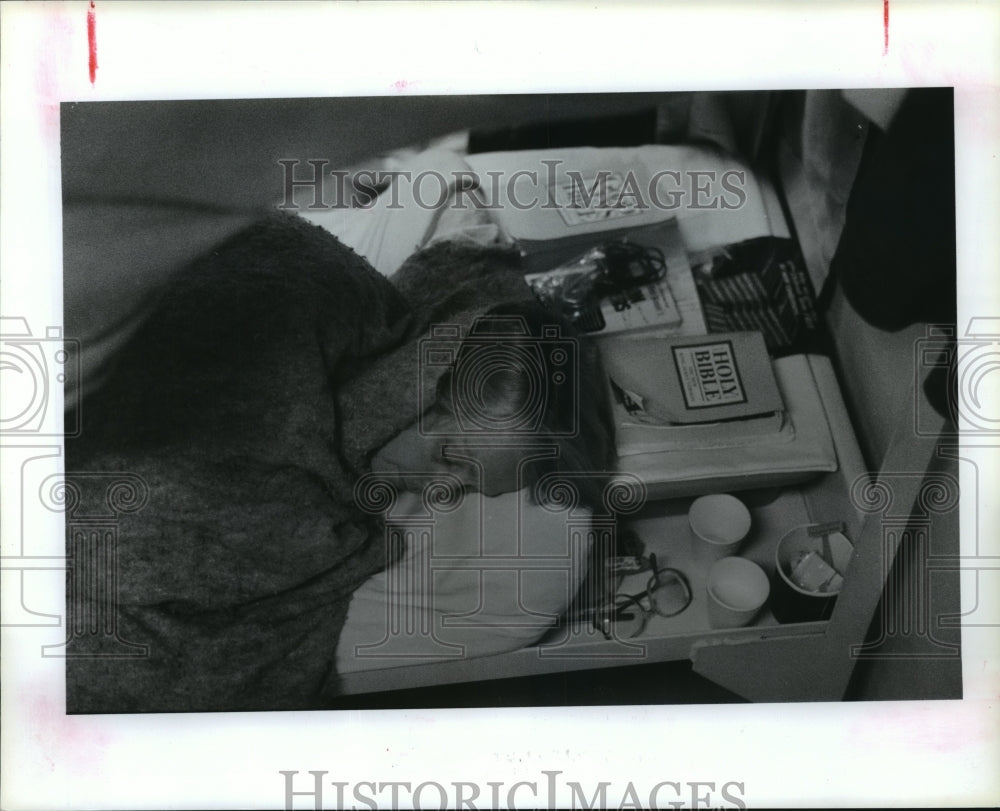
(489, 577)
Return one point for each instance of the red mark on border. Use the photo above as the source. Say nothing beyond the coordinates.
(885, 27)
(92, 40)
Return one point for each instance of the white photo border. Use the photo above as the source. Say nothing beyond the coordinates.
(919, 753)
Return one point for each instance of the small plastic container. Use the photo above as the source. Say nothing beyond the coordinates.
(719, 523)
(810, 567)
(737, 590)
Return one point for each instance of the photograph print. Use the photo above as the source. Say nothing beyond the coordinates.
(516, 400)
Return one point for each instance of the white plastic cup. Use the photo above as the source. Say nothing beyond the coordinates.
(737, 590)
(793, 603)
(719, 523)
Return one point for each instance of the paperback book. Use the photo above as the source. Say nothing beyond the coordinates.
(692, 391)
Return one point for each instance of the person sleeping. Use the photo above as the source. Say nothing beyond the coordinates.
(248, 411)
(492, 490)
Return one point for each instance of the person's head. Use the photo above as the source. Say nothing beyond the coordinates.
(524, 397)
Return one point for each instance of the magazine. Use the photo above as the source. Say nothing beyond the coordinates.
(607, 283)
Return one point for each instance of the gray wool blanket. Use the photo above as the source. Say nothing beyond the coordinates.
(248, 405)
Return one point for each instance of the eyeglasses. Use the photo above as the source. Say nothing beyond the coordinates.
(625, 615)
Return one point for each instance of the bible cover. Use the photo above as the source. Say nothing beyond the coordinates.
(696, 379)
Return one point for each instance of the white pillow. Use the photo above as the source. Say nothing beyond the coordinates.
(489, 577)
